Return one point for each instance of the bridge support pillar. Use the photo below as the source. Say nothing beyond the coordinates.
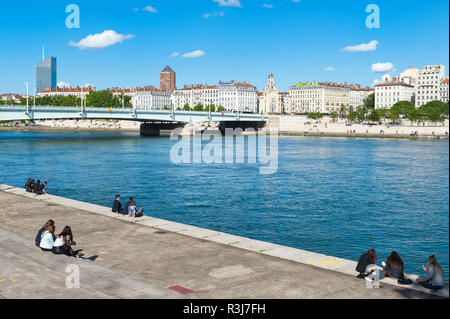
(149, 129)
(240, 124)
(154, 128)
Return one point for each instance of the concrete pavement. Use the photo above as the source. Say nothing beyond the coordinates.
(163, 255)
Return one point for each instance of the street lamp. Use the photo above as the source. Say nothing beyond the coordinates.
(26, 83)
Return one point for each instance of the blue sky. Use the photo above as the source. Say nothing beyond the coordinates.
(241, 40)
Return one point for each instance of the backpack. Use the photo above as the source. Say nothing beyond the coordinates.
(405, 282)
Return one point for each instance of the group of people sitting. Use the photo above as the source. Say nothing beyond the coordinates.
(394, 268)
(129, 209)
(57, 243)
(35, 187)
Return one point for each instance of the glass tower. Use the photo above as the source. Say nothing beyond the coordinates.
(46, 74)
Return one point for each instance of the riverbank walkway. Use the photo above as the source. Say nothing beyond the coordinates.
(154, 258)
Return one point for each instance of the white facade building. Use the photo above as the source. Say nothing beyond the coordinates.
(151, 99)
(358, 95)
(389, 93)
(80, 92)
(428, 84)
(444, 90)
(323, 97)
(195, 94)
(233, 96)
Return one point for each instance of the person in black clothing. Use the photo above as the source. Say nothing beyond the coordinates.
(117, 205)
(27, 185)
(31, 187)
(394, 266)
(36, 186)
(41, 189)
(367, 259)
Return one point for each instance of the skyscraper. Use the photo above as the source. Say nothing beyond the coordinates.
(46, 74)
(168, 80)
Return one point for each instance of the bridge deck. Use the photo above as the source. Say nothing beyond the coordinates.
(17, 113)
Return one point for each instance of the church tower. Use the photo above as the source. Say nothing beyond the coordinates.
(271, 82)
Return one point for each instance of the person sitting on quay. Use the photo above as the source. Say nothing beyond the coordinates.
(117, 205)
(434, 280)
(394, 266)
(47, 240)
(367, 263)
(37, 240)
(28, 185)
(132, 211)
(30, 188)
(128, 204)
(36, 186)
(64, 242)
(41, 190)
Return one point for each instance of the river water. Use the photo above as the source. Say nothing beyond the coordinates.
(334, 196)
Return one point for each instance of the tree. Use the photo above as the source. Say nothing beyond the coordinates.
(198, 107)
(374, 116)
(352, 116)
(343, 110)
(434, 111)
(314, 115)
(220, 108)
(369, 102)
(211, 108)
(361, 114)
(334, 115)
(187, 107)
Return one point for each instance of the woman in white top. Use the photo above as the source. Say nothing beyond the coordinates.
(47, 242)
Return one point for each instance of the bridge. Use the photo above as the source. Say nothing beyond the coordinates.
(153, 120)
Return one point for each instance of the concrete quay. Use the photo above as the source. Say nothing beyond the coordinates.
(154, 258)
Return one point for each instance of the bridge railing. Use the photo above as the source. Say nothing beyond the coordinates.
(106, 110)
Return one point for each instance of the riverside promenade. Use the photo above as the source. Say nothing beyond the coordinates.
(154, 258)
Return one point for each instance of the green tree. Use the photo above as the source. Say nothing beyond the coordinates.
(220, 108)
(352, 116)
(361, 114)
(343, 110)
(374, 116)
(369, 102)
(334, 115)
(187, 107)
(211, 108)
(198, 107)
(434, 111)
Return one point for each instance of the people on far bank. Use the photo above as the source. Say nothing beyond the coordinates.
(129, 209)
(36, 187)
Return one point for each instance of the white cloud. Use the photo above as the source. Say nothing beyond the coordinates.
(150, 9)
(382, 67)
(194, 54)
(268, 6)
(330, 68)
(213, 14)
(229, 3)
(364, 47)
(63, 85)
(101, 40)
(175, 54)
(385, 78)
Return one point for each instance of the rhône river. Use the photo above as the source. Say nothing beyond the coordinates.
(334, 196)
